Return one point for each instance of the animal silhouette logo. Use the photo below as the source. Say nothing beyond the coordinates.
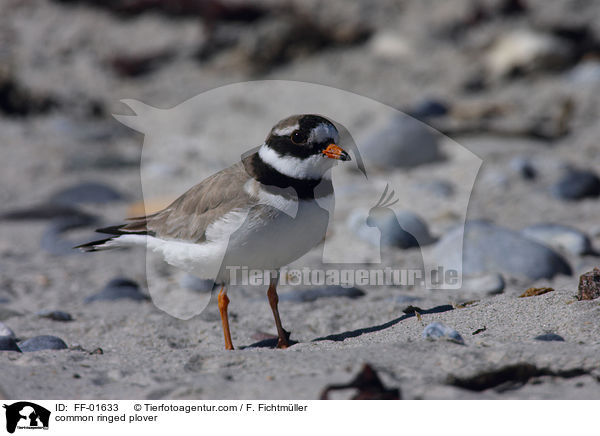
(26, 415)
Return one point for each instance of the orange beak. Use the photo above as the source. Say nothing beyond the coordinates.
(334, 151)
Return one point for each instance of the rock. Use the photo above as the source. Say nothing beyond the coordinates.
(55, 315)
(589, 285)
(117, 289)
(196, 284)
(524, 51)
(429, 108)
(549, 337)
(389, 46)
(401, 299)
(6, 332)
(86, 192)
(305, 295)
(45, 342)
(585, 72)
(441, 188)
(402, 229)
(560, 237)
(8, 344)
(6, 313)
(403, 142)
(488, 248)
(534, 292)
(52, 239)
(523, 167)
(489, 284)
(45, 211)
(576, 185)
(437, 330)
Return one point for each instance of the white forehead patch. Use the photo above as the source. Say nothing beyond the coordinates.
(322, 132)
(285, 131)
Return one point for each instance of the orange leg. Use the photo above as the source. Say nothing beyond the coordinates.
(282, 342)
(223, 303)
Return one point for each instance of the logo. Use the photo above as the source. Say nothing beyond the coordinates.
(26, 415)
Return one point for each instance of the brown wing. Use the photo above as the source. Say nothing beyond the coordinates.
(188, 217)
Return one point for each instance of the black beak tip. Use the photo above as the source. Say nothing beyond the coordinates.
(345, 157)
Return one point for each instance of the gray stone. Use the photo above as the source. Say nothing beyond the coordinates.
(523, 167)
(489, 284)
(585, 72)
(55, 315)
(429, 108)
(6, 332)
(437, 330)
(44, 342)
(576, 185)
(488, 248)
(305, 295)
(118, 289)
(550, 337)
(86, 192)
(402, 229)
(196, 284)
(403, 142)
(560, 237)
(8, 344)
(441, 188)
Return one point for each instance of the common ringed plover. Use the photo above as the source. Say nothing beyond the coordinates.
(262, 213)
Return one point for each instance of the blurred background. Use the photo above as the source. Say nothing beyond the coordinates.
(516, 82)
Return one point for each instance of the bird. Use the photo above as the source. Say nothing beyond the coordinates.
(263, 212)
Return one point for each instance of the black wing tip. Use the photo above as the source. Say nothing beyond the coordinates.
(120, 230)
(91, 246)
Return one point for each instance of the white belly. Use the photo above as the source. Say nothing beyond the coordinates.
(263, 238)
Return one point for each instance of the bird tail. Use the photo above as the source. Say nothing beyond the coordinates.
(125, 235)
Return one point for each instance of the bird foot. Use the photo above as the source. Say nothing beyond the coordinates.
(284, 342)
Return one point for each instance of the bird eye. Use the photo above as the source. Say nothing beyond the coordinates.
(298, 137)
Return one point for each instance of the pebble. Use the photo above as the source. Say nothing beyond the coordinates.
(6, 332)
(44, 211)
(525, 51)
(306, 295)
(523, 167)
(86, 192)
(403, 142)
(576, 185)
(589, 285)
(489, 284)
(55, 315)
(196, 284)
(401, 229)
(117, 289)
(488, 248)
(440, 188)
(549, 337)
(52, 240)
(401, 299)
(44, 342)
(429, 108)
(8, 344)
(389, 46)
(437, 330)
(585, 72)
(560, 237)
